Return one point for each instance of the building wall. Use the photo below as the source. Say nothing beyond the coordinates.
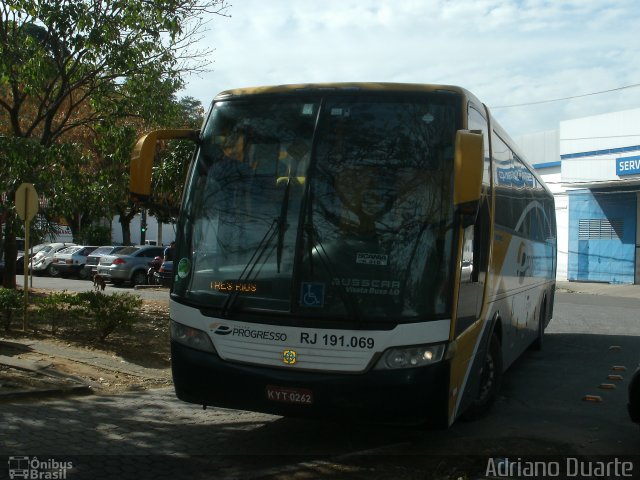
(541, 148)
(165, 235)
(600, 132)
(602, 236)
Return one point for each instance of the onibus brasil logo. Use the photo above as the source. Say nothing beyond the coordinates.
(32, 468)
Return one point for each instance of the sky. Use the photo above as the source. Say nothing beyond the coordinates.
(507, 52)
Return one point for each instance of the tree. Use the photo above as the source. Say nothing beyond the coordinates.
(57, 55)
(72, 65)
(114, 151)
(26, 160)
(170, 169)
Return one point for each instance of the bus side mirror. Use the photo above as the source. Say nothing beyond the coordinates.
(143, 156)
(467, 174)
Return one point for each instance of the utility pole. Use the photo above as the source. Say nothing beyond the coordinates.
(143, 226)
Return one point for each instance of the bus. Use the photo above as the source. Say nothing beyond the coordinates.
(362, 250)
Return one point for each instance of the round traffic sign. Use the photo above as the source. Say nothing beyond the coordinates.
(26, 201)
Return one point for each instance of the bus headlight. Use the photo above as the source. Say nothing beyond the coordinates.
(409, 357)
(191, 337)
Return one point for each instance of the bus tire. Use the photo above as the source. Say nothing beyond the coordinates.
(539, 341)
(490, 380)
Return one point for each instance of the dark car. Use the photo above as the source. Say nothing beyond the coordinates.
(634, 397)
(164, 274)
(93, 259)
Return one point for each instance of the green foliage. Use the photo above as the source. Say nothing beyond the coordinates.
(72, 70)
(10, 302)
(74, 63)
(59, 308)
(109, 313)
(94, 235)
(103, 314)
(170, 170)
(54, 172)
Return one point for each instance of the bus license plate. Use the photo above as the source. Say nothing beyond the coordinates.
(297, 396)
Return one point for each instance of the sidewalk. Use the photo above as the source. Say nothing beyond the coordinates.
(36, 377)
(593, 288)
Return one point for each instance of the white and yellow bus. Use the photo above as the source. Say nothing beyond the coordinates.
(355, 249)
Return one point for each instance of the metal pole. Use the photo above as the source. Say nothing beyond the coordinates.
(143, 226)
(29, 272)
(25, 282)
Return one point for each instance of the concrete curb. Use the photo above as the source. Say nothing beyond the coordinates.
(41, 393)
(87, 357)
(71, 385)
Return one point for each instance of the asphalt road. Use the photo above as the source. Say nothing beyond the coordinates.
(77, 285)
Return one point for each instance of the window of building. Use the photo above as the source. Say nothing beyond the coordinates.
(600, 229)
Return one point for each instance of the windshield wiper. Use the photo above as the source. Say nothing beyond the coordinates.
(251, 265)
(280, 224)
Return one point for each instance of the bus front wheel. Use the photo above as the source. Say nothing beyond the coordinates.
(489, 384)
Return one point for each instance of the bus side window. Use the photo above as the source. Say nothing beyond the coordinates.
(481, 244)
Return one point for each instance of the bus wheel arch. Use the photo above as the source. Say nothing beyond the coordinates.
(490, 375)
(496, 328)
(542, 320)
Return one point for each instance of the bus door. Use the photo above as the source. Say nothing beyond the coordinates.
(469, 324)
(473, 264)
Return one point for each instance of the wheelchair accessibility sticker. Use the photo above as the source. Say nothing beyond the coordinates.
(312, 294)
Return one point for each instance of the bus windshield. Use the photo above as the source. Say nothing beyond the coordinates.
(334, 206)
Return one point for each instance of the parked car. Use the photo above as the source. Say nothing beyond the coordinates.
(70, 261)
(129, 265)
(41, 262)
(91, 265)
(32, 252)
(164, 274)
(634, 397)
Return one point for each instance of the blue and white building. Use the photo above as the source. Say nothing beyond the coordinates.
(592, 165)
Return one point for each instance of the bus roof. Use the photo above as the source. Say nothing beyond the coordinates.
(344, 87)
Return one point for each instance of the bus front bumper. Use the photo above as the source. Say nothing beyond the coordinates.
(412, 395)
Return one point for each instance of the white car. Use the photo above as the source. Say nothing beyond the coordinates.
(71, 261)
(41, 262)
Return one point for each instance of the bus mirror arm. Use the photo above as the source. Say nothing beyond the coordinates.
(144, 154)
(468, 169)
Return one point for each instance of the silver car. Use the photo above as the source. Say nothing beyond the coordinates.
(91, 267)
(129, 265)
